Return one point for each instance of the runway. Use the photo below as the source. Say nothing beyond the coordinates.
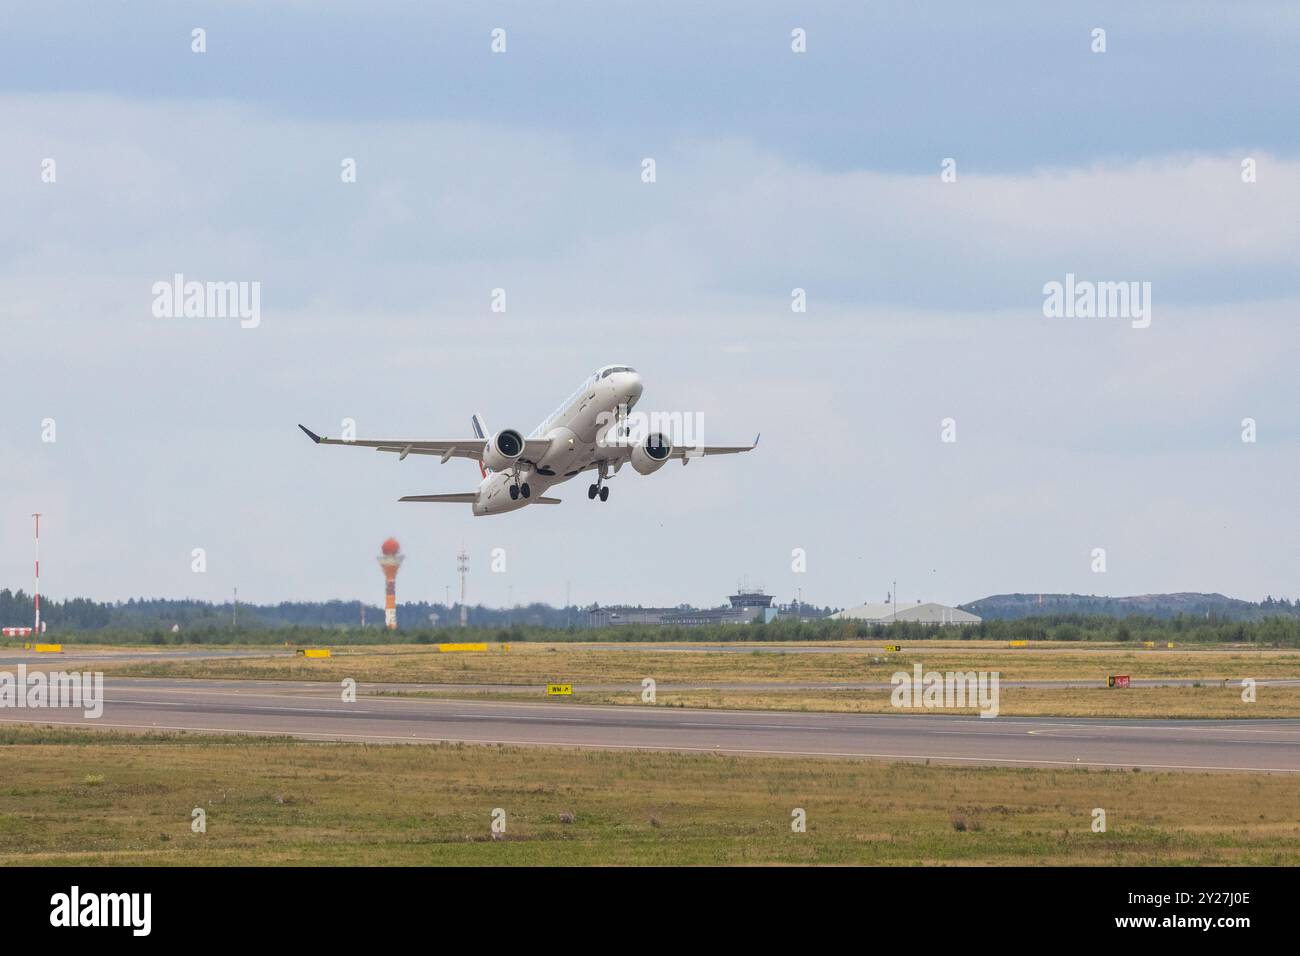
(785, 686)
(316, 711)
(90, 655)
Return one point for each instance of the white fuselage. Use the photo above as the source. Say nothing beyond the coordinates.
(573, 431)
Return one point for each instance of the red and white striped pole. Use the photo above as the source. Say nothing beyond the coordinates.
(36, 634)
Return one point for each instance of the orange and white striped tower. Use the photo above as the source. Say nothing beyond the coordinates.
(390, 560)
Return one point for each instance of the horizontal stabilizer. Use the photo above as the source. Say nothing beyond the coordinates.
(469, 497)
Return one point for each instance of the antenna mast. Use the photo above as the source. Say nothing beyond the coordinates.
(36, 633)
(462, 565)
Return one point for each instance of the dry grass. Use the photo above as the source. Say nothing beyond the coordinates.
(279, 802)
(534, 664)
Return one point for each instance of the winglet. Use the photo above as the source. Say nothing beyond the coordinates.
(756, 438)
(310, 434)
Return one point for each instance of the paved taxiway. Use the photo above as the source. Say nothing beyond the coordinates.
(316, 711)
(88, 655)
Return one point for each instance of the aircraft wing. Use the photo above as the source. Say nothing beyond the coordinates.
(700, 451)
(471, 448)
(685, 453)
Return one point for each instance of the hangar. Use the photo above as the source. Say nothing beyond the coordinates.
(927, 613)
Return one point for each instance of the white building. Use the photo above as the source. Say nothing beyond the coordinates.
(929, 613)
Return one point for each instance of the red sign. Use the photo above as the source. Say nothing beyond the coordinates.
(1117, 680)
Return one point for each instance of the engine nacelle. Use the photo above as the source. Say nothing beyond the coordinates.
(650, 455)
(503, 449)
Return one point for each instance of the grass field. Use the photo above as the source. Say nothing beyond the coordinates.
(86, 797)
(535, 664)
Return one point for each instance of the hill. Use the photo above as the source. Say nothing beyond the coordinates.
(1184, 604)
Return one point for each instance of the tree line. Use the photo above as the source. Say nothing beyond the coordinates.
(1282, 631)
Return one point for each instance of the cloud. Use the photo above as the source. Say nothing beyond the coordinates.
(925, 302)
(443, 212)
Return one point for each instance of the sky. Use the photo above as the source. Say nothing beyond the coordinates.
(522, 170)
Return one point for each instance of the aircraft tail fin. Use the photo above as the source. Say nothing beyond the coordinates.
(481, 431)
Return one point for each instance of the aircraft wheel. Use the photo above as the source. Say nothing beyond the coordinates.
(591, 492)
(525, 490)
(514, 492)
(604, 494)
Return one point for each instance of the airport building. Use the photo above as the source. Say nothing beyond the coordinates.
(928, 613)
(746, 607)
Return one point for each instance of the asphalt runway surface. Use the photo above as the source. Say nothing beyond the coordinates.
(876, 650)
(86, 655)
(784, 686)
(316, 711)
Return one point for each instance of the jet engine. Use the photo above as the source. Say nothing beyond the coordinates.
(649, 456)
(503, 449)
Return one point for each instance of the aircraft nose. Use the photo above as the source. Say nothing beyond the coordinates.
(631, 386)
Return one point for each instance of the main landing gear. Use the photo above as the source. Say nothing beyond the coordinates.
(517, 489)
(599, 487)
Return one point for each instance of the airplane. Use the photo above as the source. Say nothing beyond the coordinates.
(517, 471)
